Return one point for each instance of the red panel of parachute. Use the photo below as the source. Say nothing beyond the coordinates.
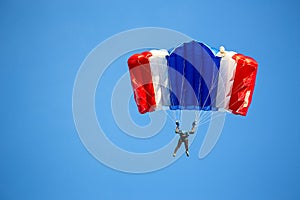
(141, 80)
(243, 85)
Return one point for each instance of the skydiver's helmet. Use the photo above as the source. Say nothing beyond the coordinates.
(177, 123)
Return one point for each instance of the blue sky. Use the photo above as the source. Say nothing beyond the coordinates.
(43, 44)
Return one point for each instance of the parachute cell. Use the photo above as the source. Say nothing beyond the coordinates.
(141, 80)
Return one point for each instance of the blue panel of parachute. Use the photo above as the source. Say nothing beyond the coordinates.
(193, 77)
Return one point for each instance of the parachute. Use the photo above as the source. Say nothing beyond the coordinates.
(193, 76)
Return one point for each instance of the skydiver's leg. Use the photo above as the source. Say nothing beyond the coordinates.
(177, 147)
(186, 144)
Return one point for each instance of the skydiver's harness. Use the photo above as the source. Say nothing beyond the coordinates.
(183, 135)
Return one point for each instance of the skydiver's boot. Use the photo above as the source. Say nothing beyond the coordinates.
(174, 154)
(187, 153)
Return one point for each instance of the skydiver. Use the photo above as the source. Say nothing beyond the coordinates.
(183, 137)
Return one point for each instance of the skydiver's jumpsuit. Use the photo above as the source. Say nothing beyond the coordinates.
(183, 138)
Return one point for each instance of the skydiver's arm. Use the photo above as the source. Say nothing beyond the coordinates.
(177, 130)
(192, 131)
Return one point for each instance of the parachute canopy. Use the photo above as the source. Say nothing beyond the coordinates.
(193, 76)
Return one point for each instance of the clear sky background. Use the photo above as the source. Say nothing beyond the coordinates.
(42, 45)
